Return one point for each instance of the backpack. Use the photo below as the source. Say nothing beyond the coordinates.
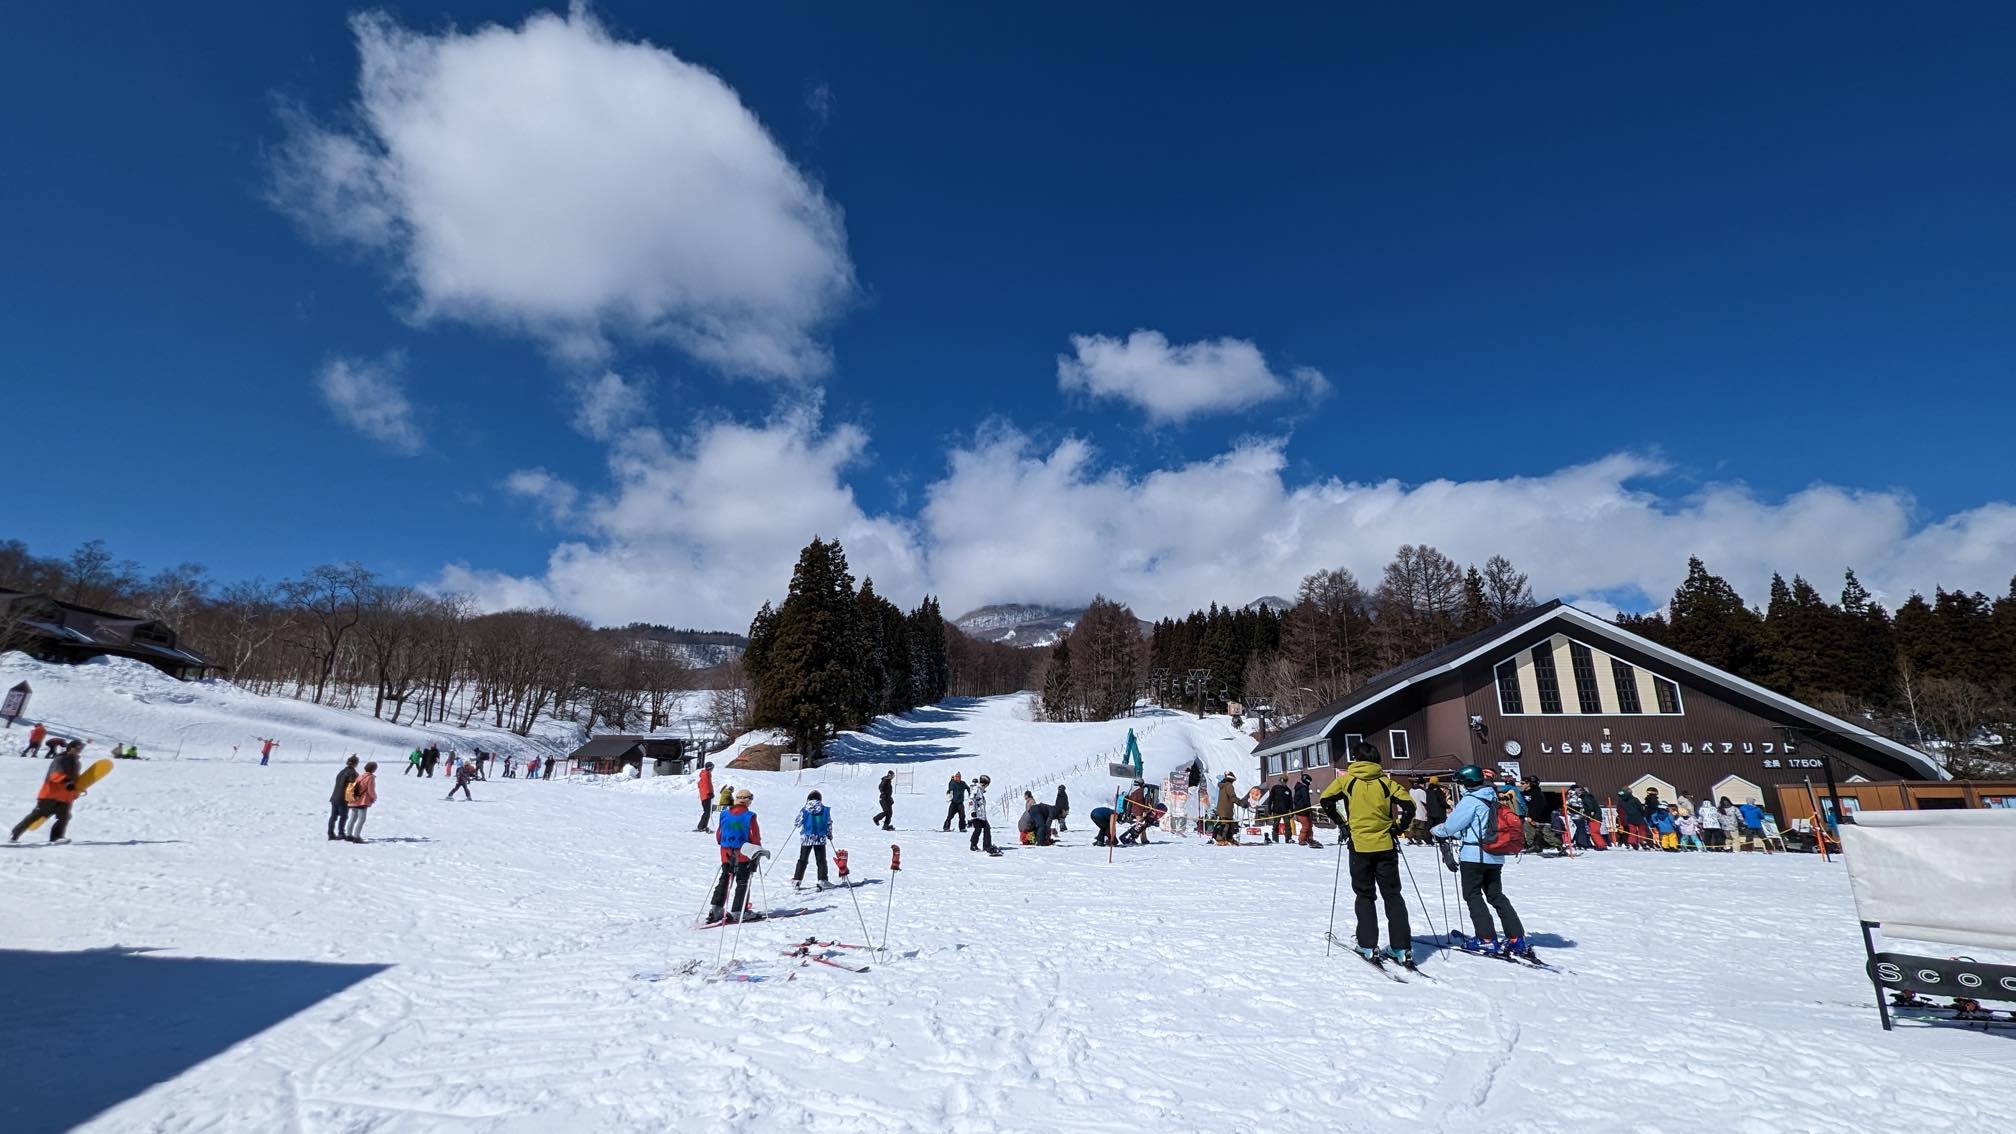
(1503, 832)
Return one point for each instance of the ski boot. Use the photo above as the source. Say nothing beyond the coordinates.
(1402, 957)
(1485, 946)
(1518, 949)
(749, 916)
(58, 842)
(715, 916)
(1967, 1008)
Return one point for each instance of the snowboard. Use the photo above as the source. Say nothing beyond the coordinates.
(91, 775)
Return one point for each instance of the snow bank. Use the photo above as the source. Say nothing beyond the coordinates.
(120, 701)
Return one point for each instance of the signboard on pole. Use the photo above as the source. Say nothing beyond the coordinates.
(16, 703)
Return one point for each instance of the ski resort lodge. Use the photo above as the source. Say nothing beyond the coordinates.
(52, 630)
(1563, 695)
(610, 753)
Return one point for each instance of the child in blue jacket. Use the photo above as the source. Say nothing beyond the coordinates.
(815, 826)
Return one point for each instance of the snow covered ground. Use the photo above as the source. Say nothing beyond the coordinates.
(119, 701)
(201, 959)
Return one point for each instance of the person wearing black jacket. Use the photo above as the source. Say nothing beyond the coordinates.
(1280, 801)
(59, 790)
(1305, 805)
(1062, 808)
(1631, 814)
(887, 791)
(339, 800)
(1438, 804)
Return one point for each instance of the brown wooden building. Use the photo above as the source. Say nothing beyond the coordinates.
(1564, 695)
(51, 630)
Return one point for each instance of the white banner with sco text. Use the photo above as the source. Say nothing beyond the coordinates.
(1944, 876)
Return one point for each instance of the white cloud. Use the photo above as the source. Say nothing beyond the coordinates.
(366, 395)
(555, 180)
(555, 496)
(607, 405)
(701, 530)
(1014, 521)
(1171, 383)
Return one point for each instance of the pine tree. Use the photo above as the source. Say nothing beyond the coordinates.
(811, 684)
(871, 693)
(1060, 699)
(1476, 604)
(1707, 619)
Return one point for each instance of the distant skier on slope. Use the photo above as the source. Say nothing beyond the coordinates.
(464, 772)
(1370, 797)
(976, 818)
(1062, 807)
(815, 827)
(413, 759)
(1480, 871)
(741, 843)
(886, 790)
(955, 803)
(266, 747)
(58, 791)
(706, 786)
(339, 800)
(35, 737)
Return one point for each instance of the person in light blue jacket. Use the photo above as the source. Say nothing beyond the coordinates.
(1480, 870)
(815, 827)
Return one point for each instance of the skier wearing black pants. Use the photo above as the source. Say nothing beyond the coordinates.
(955, 798)
(464, 772)
(887, 790)
(815, 826)
(339, 800)
(1062, 808)
(1481, 871)
(977, 817)
(1370, 797)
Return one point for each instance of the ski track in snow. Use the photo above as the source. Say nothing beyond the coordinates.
(1183, 987)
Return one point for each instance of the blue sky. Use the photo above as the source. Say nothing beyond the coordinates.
(1597, 286)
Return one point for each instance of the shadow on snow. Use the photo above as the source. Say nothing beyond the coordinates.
(97, 1027)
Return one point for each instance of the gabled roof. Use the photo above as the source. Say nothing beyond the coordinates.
(607, 745)
(1318, 724)
(1455, 655)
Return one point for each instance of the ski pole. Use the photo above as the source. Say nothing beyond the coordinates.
(1330, 932)
(1417, 892)
(840, 860)
(1442, 891)
(889, 907)
(787, 850)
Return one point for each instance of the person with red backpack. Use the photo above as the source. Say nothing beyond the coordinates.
(1489, 828)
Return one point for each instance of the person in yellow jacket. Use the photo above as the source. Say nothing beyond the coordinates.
(1370, 798)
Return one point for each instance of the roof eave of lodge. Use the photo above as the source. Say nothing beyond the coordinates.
(1497, 636)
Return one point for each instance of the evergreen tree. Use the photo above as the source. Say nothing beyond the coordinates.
(899, 693)
(1060, 698)
(871, 692)
(1868, 666)
(1476, 603)
(756, 655)
(1707, 620)
(810, 684)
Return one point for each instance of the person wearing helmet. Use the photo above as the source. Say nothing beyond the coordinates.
(1370, 798)
(886, 791)
(741, 843)
(706, 786)
(955, 803)
(976, 818)
(1481, 871)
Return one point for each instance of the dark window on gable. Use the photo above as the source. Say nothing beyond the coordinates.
(1669, 696)
(1587, 695)
(1627, 687)
(1509, 700)
(1545, 677)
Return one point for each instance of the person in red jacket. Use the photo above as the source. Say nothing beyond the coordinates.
(741, 842)
(59, 791)
(35, 736)
(706, 794)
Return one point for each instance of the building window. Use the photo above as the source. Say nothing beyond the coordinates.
(1627, 687)
(1546, 679)
(1398, 739)
(1669, 696)
(1295, 759)
(1509, 701)
(1587, 695)
(1319, 754)
(1351, 740)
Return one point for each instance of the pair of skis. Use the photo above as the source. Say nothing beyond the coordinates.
(1380, 961)
(812, 950)
(1526, 961)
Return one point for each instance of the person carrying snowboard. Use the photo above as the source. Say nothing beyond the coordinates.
(1062, 808)
(741, 843)
(976, 817)
(1370, 797)
(59, 790)
(1480, 871)
(362, 793)
(464, 772)
(706, 786)
(815, 827)
(886, 791)
(35, 737)
(955, 800)
(339, 800)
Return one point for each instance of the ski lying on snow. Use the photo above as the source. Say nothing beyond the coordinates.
(1376, 962)
(1517, 962)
